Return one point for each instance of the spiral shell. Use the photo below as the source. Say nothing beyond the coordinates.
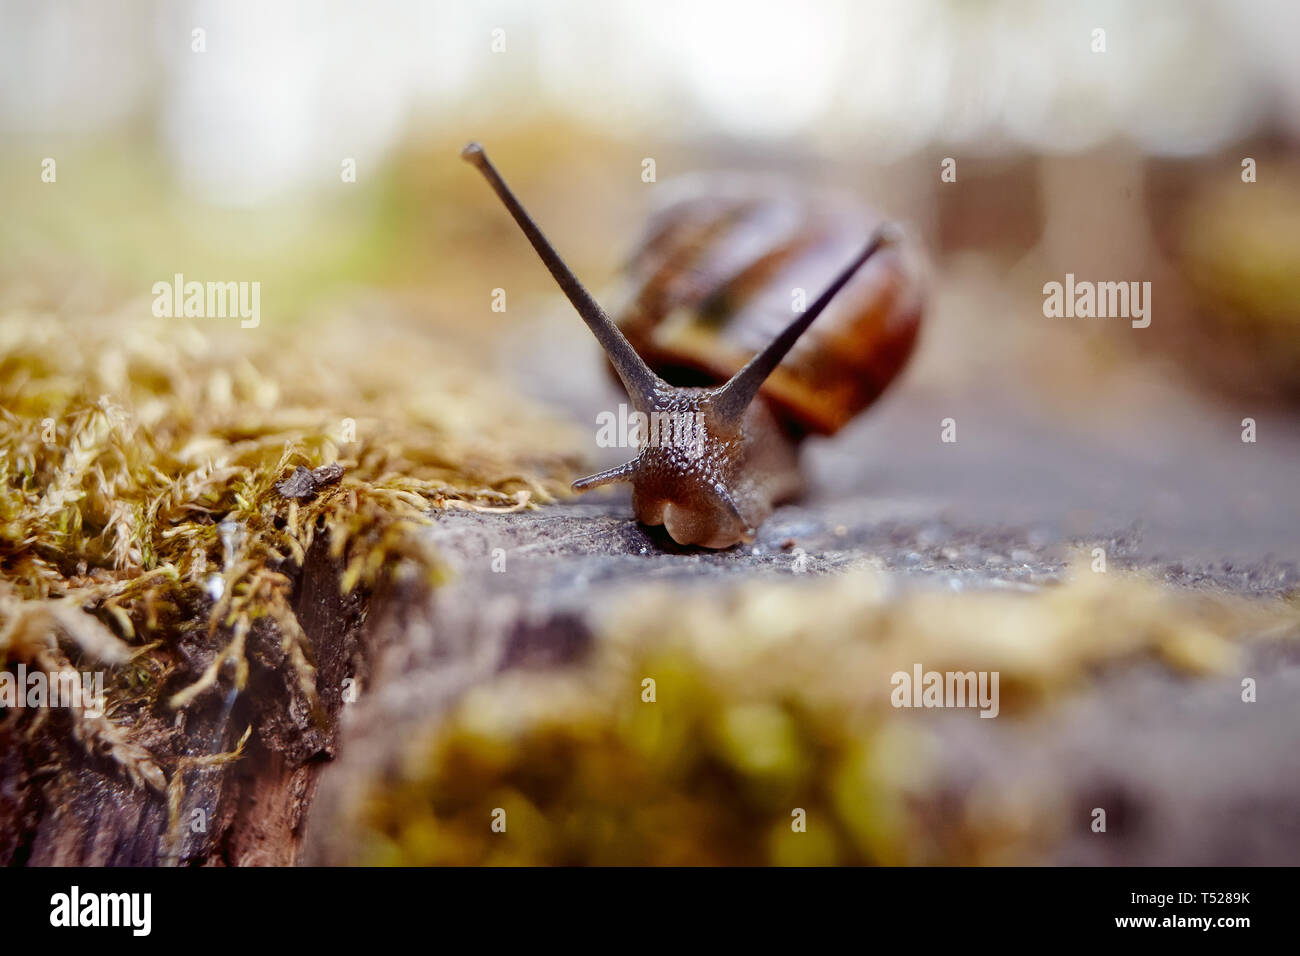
(725, 264)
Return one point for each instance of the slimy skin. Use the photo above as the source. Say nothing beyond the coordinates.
(716, 490)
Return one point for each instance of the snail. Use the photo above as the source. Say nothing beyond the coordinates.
(703, 282)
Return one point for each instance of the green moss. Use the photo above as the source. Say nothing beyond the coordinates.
(138, 494)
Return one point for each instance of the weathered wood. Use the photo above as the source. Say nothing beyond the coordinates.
(1136, 740)
(1004, 508)
(59, 807)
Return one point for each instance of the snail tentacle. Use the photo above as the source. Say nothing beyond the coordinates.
(622, 473)
(745, 527)
(641, 383)
(732, 398)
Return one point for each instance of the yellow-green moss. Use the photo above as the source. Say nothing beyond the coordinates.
(140, 459)
(772, 699)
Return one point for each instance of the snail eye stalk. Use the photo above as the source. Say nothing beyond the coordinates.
(731, 399)
(642, 384)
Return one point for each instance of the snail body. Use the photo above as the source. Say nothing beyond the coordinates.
(708, 279)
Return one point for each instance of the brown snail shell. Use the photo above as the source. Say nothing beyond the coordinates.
(715, 277)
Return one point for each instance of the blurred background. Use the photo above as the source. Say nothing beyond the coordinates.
(218, 140)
